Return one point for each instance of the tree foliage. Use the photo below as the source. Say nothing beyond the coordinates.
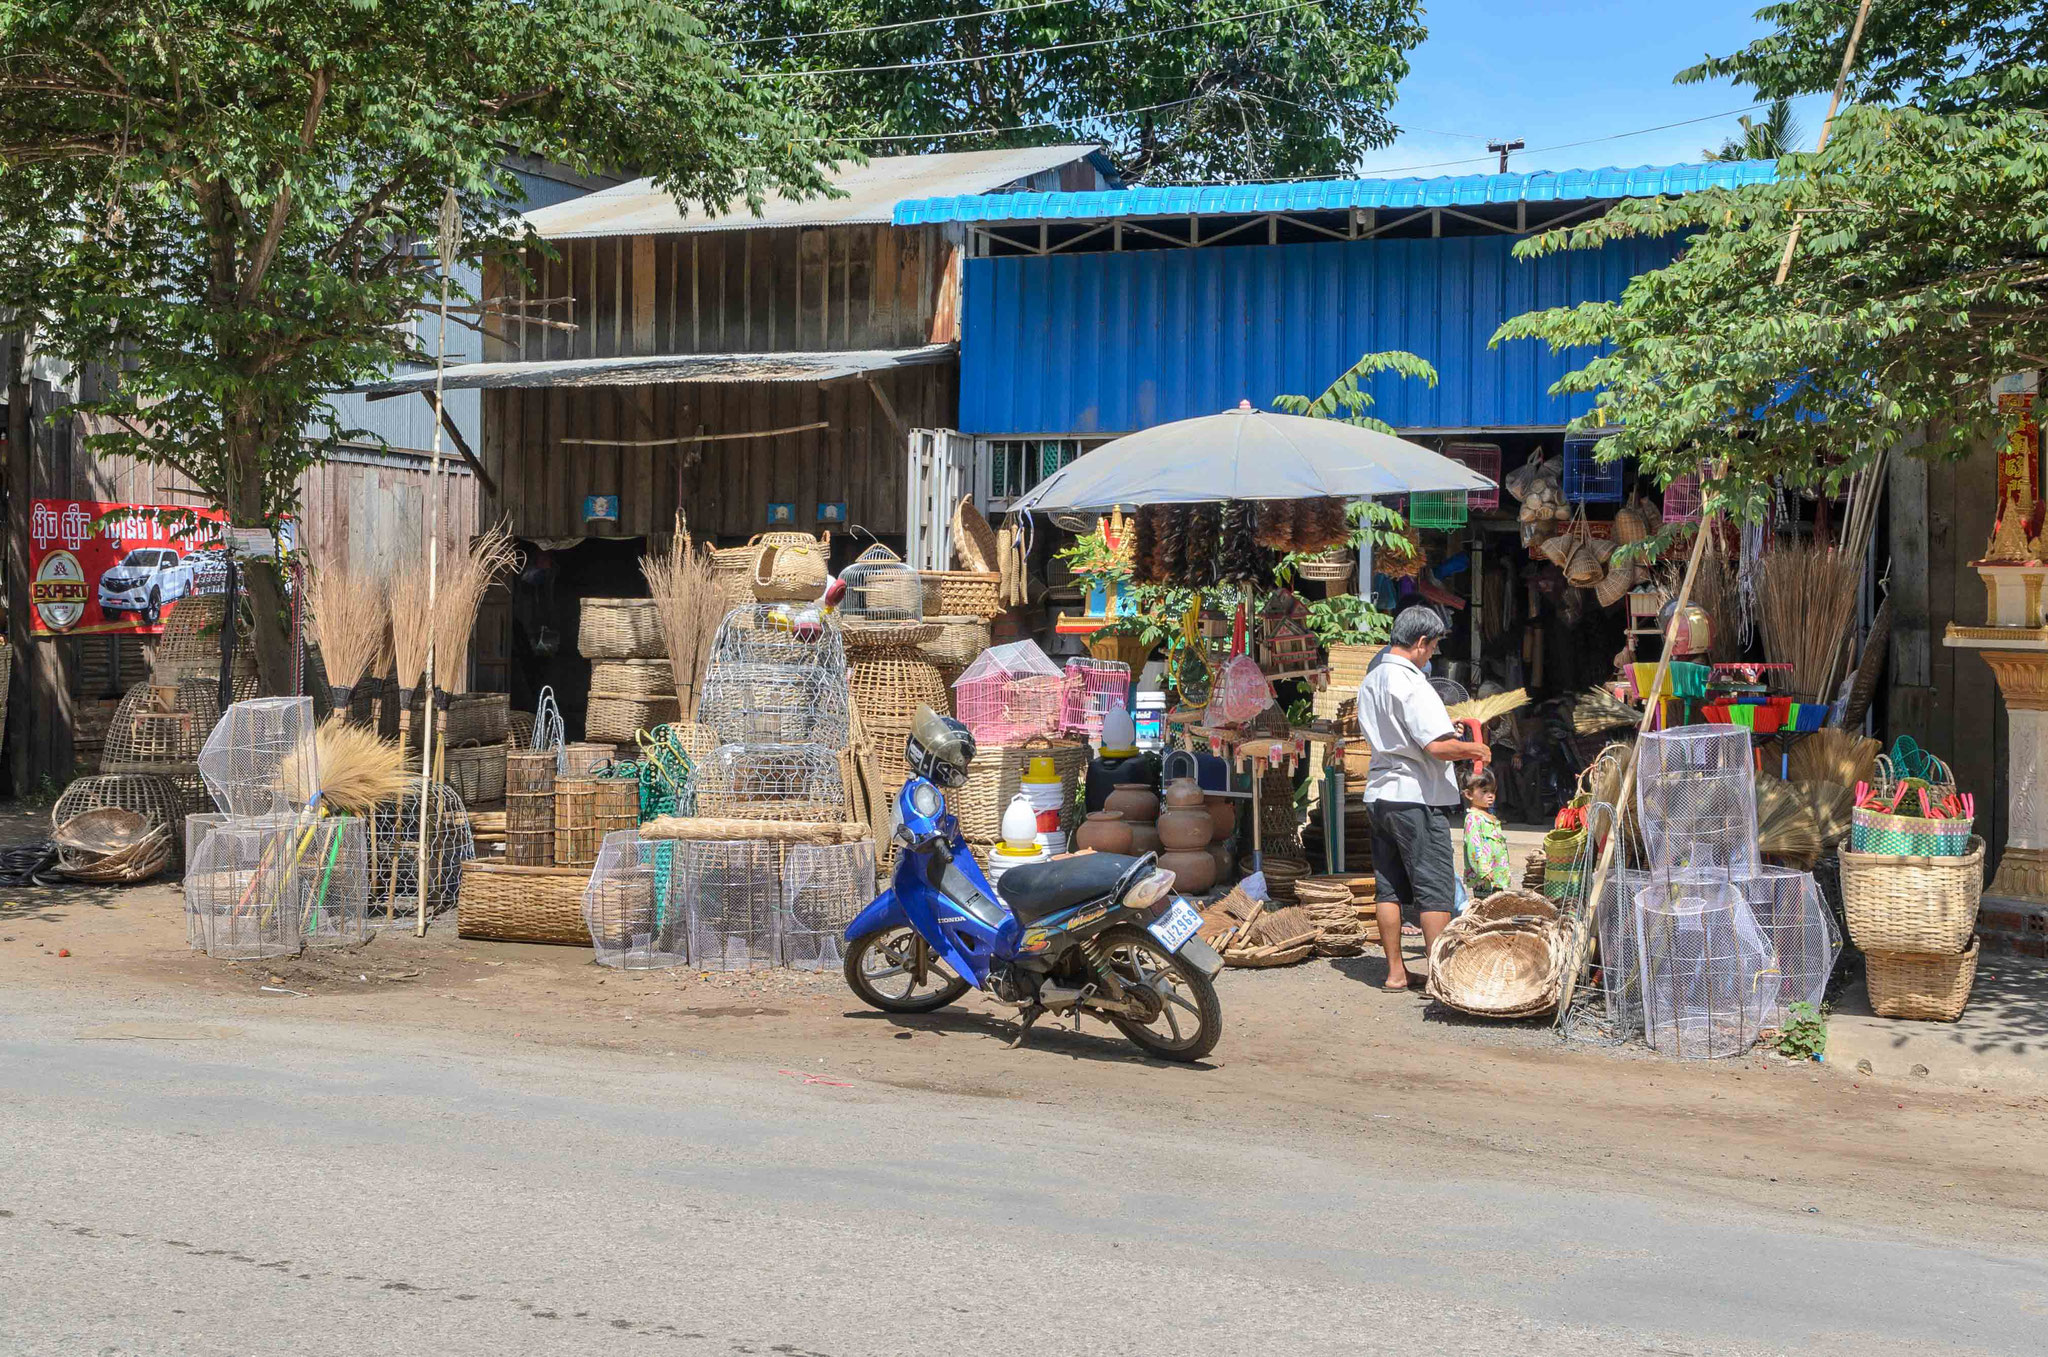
(1235, 89)
(1775, 134)
(226, 197)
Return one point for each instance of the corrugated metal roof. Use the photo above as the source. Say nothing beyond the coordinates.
(872, 192)
(1333, 195)
(656, 369)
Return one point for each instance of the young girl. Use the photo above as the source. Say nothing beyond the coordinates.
(1485, 869)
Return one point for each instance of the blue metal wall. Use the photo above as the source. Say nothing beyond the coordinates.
(1109, 343)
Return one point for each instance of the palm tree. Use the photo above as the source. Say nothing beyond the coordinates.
(1776, 134)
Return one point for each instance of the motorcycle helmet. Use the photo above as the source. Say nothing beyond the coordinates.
(939, 748)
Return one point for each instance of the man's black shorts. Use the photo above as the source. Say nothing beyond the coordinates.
(1412, 861)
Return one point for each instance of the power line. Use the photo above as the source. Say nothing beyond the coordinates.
(1029, 51)
(907, 23)
(1077, 120)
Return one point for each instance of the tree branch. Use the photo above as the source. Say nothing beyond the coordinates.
(281, 208)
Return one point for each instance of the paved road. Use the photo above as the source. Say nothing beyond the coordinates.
(263, 1187)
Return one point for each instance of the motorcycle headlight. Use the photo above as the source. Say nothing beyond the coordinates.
(1149, 889)
(924, 799)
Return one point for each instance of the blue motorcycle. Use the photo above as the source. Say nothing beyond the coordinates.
(1098, 933)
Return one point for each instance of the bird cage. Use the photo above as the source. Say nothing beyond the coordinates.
(1092, 686)
(1696, 802)
(770, 782)
(1793, 916)
(1438, 509)
(243, 759)
(636, 917)
(1483, 458)
(732, 892)
(1683, 500)
(1010, 694)
(1587, 478)
(395, 848)
(242, 889)
(823, 887)
(334, 880)
(1709, 974)
(777, 675)
(881, 588)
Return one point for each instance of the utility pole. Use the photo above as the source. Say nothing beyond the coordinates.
(1504, 147)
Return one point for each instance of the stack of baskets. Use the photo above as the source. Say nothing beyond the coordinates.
(1916, 920)
(530, 808)
(997, 775)
(631, 685)
(576, 832)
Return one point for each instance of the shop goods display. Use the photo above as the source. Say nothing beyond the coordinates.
(1500, 958)
(732, 893)
(474, 718)
(880, 587)
(1104, 831)
(1928, 986)
(334, 880)
(270, 885)
(1257, 934)
(959, 643)
(619, 629)
(1589, 478)
(580, 758)
(507, 902)
(1621, 972)
(1696, 801)
(395, 850)
(244, 756)
(618, 801)
(548, 733)
(157, 730)
(1010, 694)
(1484, 458)
(1708, 971)
(347, 611)
(775, 678)
(791, 567)
(1343, 919)
(1912, 816)
(1907, 903)
(683, 584)
(155, 800)
(770, 782)
(1000, 772)
(1805, 604)
(890, 681)
(824, 887)
(630, 910)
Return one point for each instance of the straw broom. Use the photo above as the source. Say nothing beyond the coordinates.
(688, 600)
(1806, 601)
(463, 583)
(348, 625)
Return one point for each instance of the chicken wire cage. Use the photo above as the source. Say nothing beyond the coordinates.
(635, 914)
(394, 852)
(732, 893)
(1092, 687)
(824, 886)
(1795, 919)
(156, 799)
(1696, 802)
(243, 889)
(1010, 694)
(881, 589)
(1710, 979)
(259, 758)
(770, 782)
(778, 633)
(776, 676)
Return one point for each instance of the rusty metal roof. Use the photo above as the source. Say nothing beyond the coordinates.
(656, 369)
(871, 193)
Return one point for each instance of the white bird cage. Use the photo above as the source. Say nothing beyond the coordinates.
(1696, 802)
(770, 782)
(244, 758)
(636, 916)
(242, 889)
(1710, 978)
(881, 588)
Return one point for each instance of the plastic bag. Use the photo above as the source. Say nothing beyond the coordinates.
(1241, 693)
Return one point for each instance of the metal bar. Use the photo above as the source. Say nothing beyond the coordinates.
(461, 443)
(689, 438)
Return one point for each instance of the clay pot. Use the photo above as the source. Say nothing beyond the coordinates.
(1136, 802)
(1183, 793)
(1144, 838)
(1225, 859)
(1192, 872)
(1105, 832)
(1184, 829)
(1222, 815)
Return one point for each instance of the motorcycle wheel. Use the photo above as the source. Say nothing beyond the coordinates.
(1190, 1020)
(878, 971)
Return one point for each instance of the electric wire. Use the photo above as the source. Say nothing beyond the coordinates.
(906, 23)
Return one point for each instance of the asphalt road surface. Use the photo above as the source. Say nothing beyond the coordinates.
(266, 1187)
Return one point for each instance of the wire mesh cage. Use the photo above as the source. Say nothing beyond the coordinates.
(1710, 977)
(1696, 801)
(1483, 458)
(334, 872)
(1012, 693)
(1438, 509)
(1587, 478)
(394, 869)
(732, 892)
(244, 757)
(823, 887)
(1683, 500)
(770, 782)
(1794, 918)
(777, 678)
(882, 589)
(635, 914)
(242, 890)
(1092, 687)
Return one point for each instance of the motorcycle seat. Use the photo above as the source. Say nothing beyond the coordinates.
(1041, 889)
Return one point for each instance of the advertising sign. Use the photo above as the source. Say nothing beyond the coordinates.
(118, 576)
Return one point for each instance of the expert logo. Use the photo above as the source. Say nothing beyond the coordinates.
(59, 591)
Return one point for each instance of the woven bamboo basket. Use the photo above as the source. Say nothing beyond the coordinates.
(618, 804)
(1332, 567)
(962, 593)
(1496, 967)
(633, 678)
(576, 836)
(997, 774)
(619, 717)
(522, 904)
(530, 847)
(530, 772)
(530, 811)
(732, 574)
(1615, 584)
(476, 772)
(138, 861)
(790, 571)
(959, 643)
(620, 629)
(1923, 985)
(1912, 904)
(890, 684)
(580, 756)
(476, 718)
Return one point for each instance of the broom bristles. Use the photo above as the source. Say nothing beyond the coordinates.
(412, 625)
(690, 605)
(349, 621)
(463, 583)
(1785, 827)
(1832, 754)
(1491, 708)
(350, 767)
(1806, 597)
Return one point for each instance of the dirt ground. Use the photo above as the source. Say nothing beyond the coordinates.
(1310, 1053)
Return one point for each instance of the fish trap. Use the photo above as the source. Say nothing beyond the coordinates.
(732, 892)
(242, 890)
(776, 676)
(1696, 802)
(770, 782)
(394, 852)
(632, 907)
(244, 759)
(1710, 979)
(824, 886)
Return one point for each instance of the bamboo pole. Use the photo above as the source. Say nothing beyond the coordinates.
(450, 223)
(1827, 126)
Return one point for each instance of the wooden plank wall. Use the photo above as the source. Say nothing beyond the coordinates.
(739, 291)
(724, 488)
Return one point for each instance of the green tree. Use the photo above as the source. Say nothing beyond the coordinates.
(1775, 134)
(225, 198)
(1920, 277)
(1229, 89)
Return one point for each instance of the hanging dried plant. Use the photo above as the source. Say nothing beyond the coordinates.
(1144, 544)
(1173, 542)
(1278, 524)
(1243, 560)
(1323, 525)
(1198, 560)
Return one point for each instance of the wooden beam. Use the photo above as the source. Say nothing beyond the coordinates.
(690, 438)
(461, 444)
(888, 408)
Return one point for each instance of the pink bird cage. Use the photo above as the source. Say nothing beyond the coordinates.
(1010, 694)
(1682, 500)
(1091, 685)
(1483, 458)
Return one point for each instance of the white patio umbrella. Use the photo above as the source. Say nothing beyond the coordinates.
(1247, 454)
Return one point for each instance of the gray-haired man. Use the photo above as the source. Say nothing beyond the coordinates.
(1412, 787)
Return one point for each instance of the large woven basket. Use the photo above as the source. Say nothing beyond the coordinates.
(962, 593)
(890, 684)
(619, 717)
(620, 629)
(530, 847)
(997, 774)
(530, 772)
(618, 804)
(1496, 967)
(790, 571)
(580, 756)
(530, 811)
(633, 678)
(522, 904)
(1933, 988)
(476, 772)
(1912, 904)
(479, 718)
(732, 574)
(576, 836)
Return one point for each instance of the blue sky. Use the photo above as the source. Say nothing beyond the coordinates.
(1555, 73)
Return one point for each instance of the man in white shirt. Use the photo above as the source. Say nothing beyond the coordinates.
(1412, 787)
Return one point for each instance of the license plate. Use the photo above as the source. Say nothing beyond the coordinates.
(1177, 925)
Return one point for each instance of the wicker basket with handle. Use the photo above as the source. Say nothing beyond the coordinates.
(1912, 904)
(1929, 986)
(522, 904)
(476, 772)
(790, 568)
(620, 629)
(962, 593)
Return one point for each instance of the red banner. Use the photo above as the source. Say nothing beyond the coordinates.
(2019, 462)
(102, 569)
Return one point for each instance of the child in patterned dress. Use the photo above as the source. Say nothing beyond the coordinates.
(1485, 868)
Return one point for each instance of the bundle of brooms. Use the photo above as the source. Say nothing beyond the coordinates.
(690, 605)
(1806, 600)
(446, 628)
(348, 622)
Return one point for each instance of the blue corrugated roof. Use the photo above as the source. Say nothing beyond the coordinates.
(1328, 195)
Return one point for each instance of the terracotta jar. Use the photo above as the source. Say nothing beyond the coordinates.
(1144, 838)
(1183, 793)
(1105, 832)
(1192, 872)
(1222, 815)
(1182, 829)
(1137, 803)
